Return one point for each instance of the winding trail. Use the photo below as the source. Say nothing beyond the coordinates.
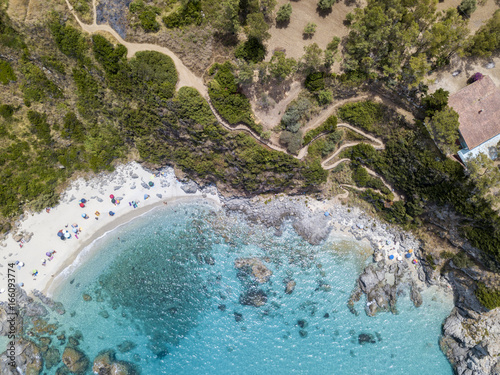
(188, 78)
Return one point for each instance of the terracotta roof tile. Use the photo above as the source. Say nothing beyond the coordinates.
(478, 107)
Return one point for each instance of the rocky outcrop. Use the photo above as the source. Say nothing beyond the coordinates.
(253, 297)
(310, 225)
(190, 187)
(75, 360)
(28, 359)
(106, 364)
(471, 341)
(256, 267)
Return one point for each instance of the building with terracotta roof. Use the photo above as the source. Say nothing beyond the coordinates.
(478, 107)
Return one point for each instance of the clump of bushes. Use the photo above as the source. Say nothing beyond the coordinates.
(283, 14)
(365, 114)
(188, 14)
(329, 126)
(487, 38)
(35, 85)
(6, 72)
(324, 146)
(39, 126)
(232, 105)
(291, 141)
(489, 297)
(69, 40)
(252, 50)
(296, 113)
(146, 14)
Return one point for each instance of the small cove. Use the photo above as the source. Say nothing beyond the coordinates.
(166, 296)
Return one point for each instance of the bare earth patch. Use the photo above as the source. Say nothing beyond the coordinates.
(291, 39)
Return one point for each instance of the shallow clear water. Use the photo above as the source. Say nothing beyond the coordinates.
(151, 283)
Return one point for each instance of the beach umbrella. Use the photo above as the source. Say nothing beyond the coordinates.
(415, 261)
(113, 200)
(111, 196)
(111, 213)
(151, 183)
(327, 214)
(410, 251)
(407, 255)
(60, 233)
(82, 205)
(67, 234)
(21, 264)
(48, 253)
(75, 230)
(391, 257)
(146, 196)
(83, 200)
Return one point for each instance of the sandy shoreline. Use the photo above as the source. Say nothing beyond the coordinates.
(129, 182)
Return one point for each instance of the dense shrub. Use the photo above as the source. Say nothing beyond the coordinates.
(363, 114)
(106, 54)
(39, 126)
(73, 128)
(329, 126)
(89, 96)
(296, 112)
(188, 14)
(6, 72)
(291, 141)
(6, 111)
(146, 15)
(36, 86)
(232, 105)
(192, 106)
(284, 13)
(315, 81)
(489, 297)
(69, 40)
(487, 38)
(252, 50)
(153, 76)
(324, 146)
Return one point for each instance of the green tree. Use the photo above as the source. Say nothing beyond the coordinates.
(284, 13)
(487, 38)
(267, 8)
(256, 27)
(227, 21)
(245, 73)
(443, 128)
(445, 37)
(467, 7)
(435, 101)
(310, 29)
(311, 59)
(485, 176)
(280, 66)
(6, 72)
(326, 4)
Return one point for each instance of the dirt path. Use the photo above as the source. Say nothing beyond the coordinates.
(186, 76)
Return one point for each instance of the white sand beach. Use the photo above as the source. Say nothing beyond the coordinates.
(129, 183)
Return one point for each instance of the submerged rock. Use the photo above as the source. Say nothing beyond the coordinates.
(28, 359)
(256, 267)
(52, 358)
(87, 298)
(126, 346)
(254, 297)
(238, 317)
(302, 323)
(290, 287)
(366, 338)
(303, 333)
(75, 360)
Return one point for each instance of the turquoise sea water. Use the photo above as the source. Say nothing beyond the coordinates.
(166, 282)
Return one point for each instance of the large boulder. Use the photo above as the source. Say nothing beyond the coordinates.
(256, 267)
(75, 360)
(28, 359)
(102, 363)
